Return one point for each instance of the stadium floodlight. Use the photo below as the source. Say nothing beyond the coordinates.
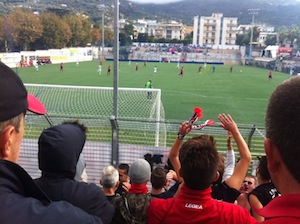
(252, 12)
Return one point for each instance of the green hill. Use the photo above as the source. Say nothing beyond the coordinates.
(273, 12)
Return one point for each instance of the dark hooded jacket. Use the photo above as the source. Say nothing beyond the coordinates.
(22, 201)
(59, 149)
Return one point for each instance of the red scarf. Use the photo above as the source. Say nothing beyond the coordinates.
(138, 189)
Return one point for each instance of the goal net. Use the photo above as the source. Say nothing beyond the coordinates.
(97, 102)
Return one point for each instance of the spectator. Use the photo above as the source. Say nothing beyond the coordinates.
(124, 181)
(160, 182)
(264, 192)
(171, 177)
(193, 204)
(168, 166)
(282, 147)
(110, 181)
(59, 150)
(227, 190)
(22, 201)
(131, 207)
(229, 161)
(249, 183)
(81, 174)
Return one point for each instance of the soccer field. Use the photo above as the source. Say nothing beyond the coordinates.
(244, 93)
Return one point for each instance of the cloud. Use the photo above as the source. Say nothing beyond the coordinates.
(155, 1)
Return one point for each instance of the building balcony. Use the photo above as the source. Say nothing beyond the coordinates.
(231, 24)
(210, 24)
(213, 32)
(230, 38)
(210, 37)
(231, 31)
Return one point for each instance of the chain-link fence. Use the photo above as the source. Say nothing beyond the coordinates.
(136, 139)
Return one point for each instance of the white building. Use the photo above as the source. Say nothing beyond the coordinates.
(214, 30)
(140, 26)
(167, 30)
(263, 36)
(173, 30)
(245, 28)
(152, 25)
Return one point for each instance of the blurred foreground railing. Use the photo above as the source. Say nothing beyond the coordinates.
(136, 138)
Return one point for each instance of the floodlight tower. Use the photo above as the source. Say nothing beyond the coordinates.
(114, 117)
(102, 35)
(252, 12)
(102, 10)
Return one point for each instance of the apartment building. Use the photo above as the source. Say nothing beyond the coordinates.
(173, 30)
(167, 30)
(214, 30)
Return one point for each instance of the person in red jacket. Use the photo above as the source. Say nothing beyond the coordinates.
(194, 204)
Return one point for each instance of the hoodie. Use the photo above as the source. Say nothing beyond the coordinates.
(59, 150)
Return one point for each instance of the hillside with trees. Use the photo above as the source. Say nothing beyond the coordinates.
(47, 24)
(274, 12)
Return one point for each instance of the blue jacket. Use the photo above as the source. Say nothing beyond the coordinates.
(22, 201)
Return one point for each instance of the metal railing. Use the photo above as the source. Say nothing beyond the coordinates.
(136, 139)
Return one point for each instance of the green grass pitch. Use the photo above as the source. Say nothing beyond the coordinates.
(244, 93)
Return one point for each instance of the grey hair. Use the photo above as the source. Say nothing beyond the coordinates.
(110, 177)
(15, 121)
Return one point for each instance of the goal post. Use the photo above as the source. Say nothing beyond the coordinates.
(94, 102)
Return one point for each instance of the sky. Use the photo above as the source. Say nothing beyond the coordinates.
(155, 1)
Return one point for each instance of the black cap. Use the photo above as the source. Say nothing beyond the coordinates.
(13, 96)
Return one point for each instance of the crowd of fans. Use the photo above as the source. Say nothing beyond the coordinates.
(197, 185)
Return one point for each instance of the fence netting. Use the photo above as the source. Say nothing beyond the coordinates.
(136, 139)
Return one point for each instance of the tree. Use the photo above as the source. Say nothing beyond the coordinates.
(86, 24)
(80, 27)
(108, 37)
(151, 39)
(3, 37)
(162, 40)
(2, 28)
(271, 40)
(142, 37)
(128, 31)
(57, 32)
(282, 34)
(242, 39)
(122, 39)
(256, 32)
(293, 34)
(188, 39)
(25, 26)
(95, 36)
